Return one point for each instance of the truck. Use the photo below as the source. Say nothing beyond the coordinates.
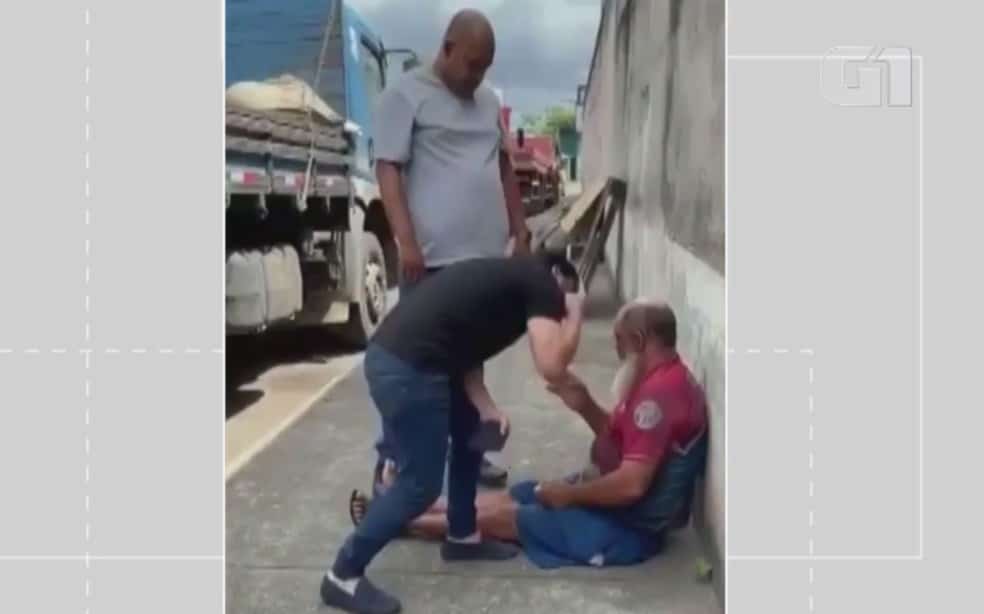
(536, 161)
(307, 239)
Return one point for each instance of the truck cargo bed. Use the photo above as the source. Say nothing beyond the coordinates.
(284, 127)
(285, 151)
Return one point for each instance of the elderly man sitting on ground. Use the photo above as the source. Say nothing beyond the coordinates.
(646, 455)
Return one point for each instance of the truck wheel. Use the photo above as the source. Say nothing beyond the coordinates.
(372, 303)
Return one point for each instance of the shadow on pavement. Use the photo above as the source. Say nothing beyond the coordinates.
(247, 358)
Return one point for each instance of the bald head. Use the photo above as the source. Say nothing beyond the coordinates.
(467, 52)
(472, 28)
(644, 324)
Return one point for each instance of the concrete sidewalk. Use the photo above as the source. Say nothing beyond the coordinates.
(287, 510)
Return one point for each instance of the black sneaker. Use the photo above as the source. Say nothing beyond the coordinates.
(492, 475)
(367, 599)
(489, 550)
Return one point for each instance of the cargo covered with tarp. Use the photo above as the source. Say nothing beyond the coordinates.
(266, 39)
(272, 106)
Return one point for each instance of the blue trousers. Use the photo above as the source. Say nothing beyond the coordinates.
(574, 536)
(420, 412)
(384, 445)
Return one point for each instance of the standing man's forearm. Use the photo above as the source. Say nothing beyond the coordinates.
(390, 179)
(570, 336)
(558, 350)
(478, 394)
(570, 330)
(554, 343)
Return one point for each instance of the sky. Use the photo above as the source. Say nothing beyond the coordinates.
(541, 55)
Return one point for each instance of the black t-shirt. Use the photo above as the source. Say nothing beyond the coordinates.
(465, 314)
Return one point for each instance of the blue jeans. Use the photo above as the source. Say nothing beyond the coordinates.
(419, 412)
(384, 445)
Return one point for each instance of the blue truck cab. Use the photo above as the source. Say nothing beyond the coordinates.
(365, 80)
(307, 240)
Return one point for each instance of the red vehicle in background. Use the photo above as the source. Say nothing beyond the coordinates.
(536, 161)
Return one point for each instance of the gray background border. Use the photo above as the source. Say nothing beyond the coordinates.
(170, 331)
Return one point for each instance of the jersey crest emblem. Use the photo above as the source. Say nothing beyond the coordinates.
(647, 415)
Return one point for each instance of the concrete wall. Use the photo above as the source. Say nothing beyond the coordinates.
(654, 116)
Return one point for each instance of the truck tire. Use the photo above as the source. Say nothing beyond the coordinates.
(282, 269)
(371, 303)
(246, 292)
(263, 288)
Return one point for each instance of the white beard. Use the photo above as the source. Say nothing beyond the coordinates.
(625, 377)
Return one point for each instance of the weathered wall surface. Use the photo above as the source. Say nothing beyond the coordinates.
(654, 116)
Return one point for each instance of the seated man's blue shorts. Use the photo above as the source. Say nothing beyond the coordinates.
(574, 536)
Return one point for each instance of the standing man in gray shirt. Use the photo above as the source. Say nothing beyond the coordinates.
(444, 172)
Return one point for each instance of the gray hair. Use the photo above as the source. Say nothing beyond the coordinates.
(648, 320)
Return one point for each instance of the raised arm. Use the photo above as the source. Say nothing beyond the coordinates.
(554, 343)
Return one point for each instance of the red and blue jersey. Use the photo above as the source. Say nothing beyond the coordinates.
(663, 421)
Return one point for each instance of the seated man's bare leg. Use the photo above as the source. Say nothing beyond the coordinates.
(496, 519)
(432, 525)
(500, 522)
(483, 500)
(439, 507)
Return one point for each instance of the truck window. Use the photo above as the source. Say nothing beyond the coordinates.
(372, 72)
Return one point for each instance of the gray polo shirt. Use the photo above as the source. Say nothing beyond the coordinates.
(449, 149)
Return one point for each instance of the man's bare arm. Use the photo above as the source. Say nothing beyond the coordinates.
(576, 396)
(553, 343)
(390, 177)
(624, 486)
(596, 417)
(478, 394)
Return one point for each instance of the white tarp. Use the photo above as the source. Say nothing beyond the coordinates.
(283, 93)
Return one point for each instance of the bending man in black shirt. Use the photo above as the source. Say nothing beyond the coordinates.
(458, 319)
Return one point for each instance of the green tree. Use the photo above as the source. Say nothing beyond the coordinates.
(551, 121)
